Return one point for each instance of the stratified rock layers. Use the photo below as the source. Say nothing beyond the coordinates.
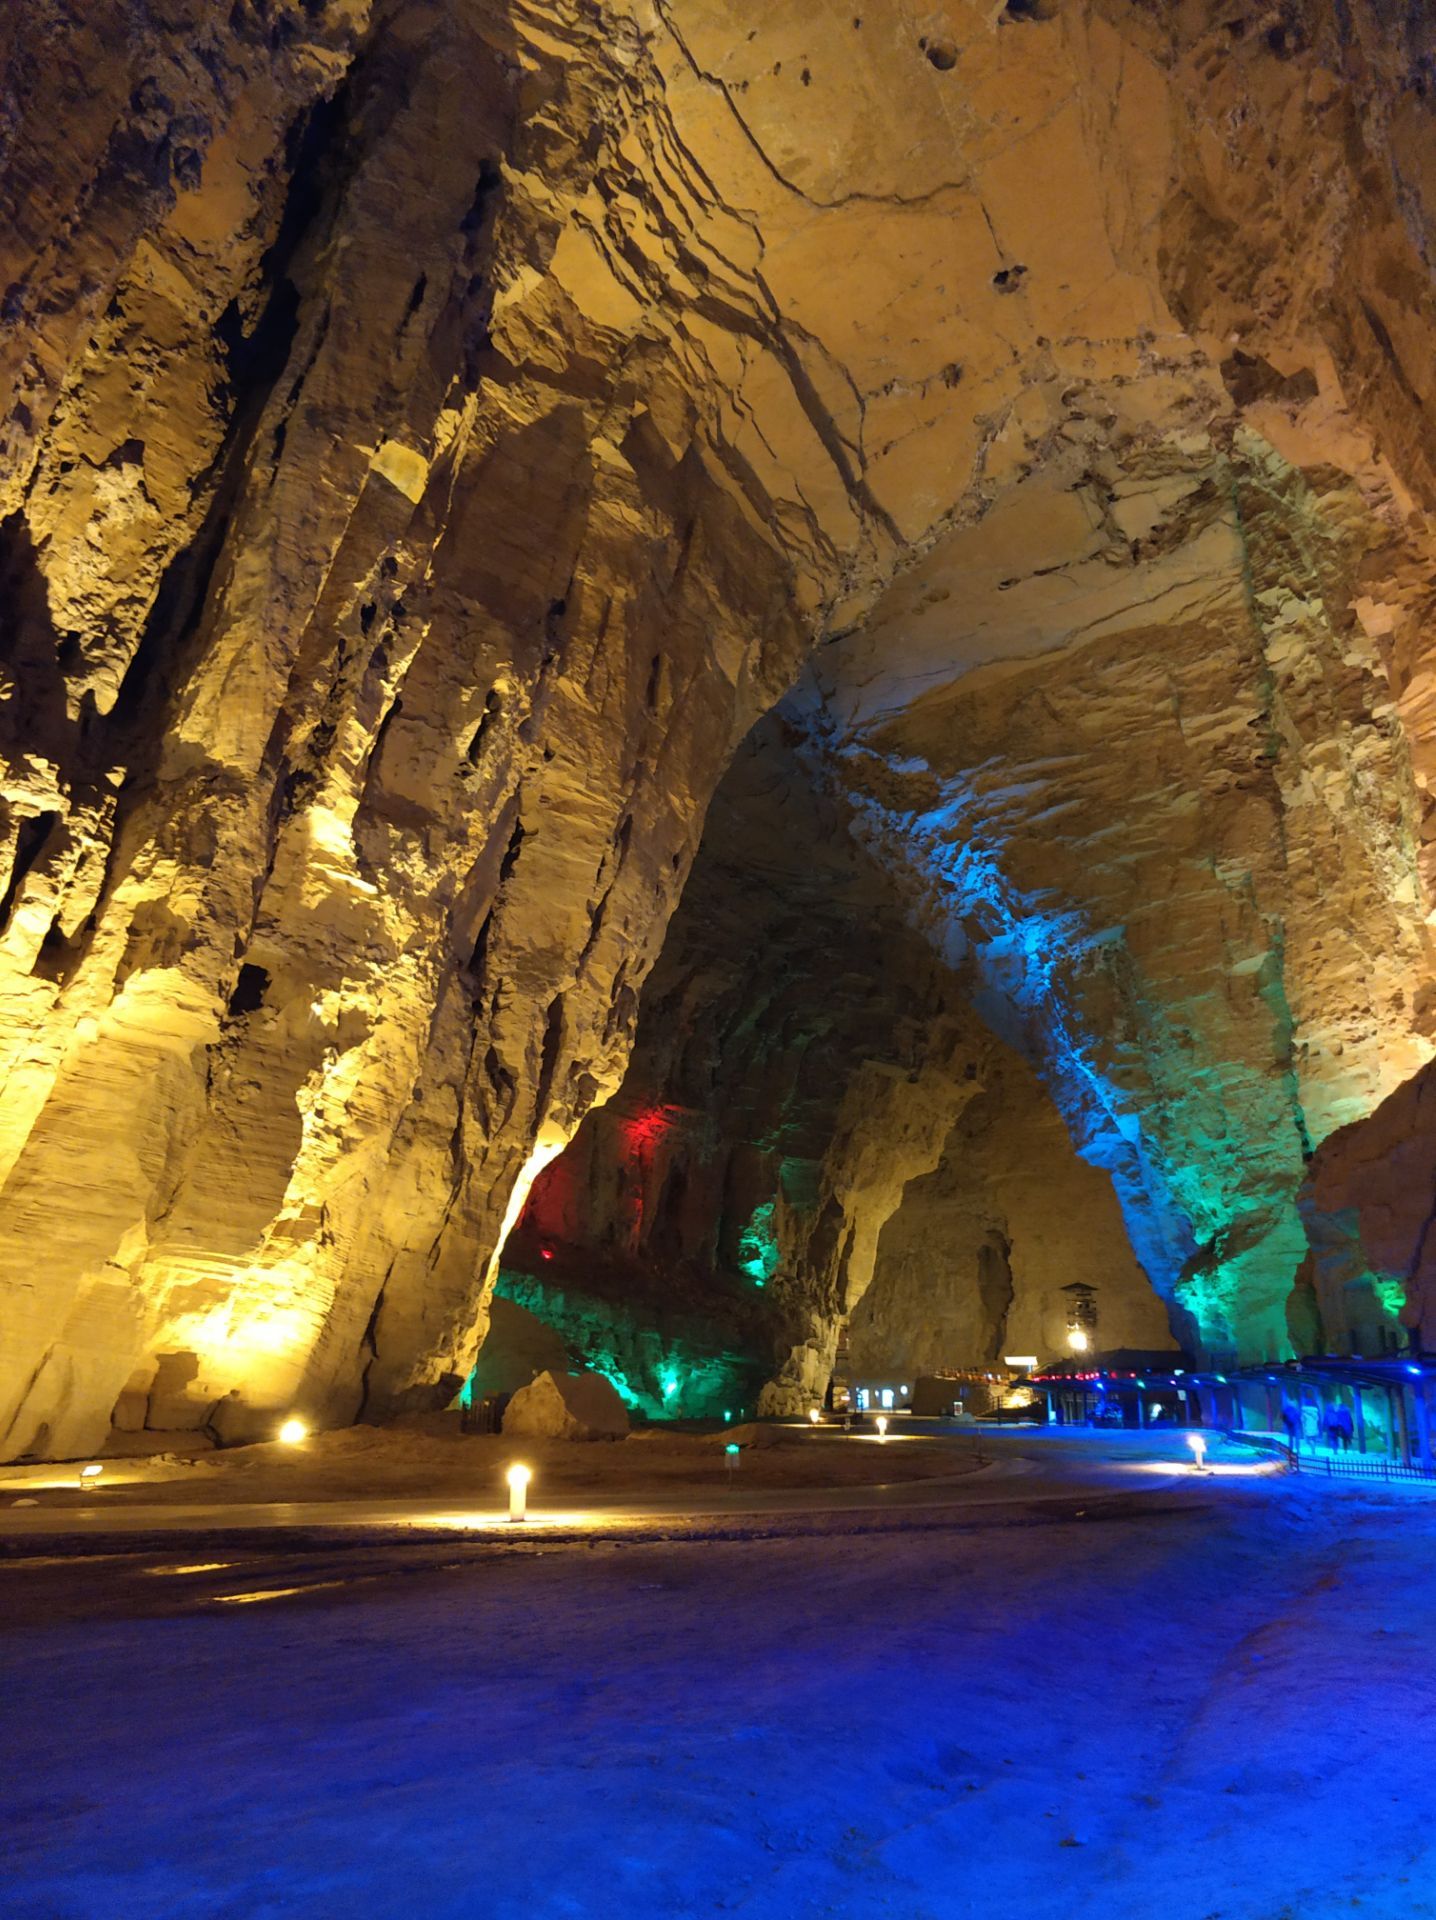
(343, 836)
(436, 432)
(972, 1266)
(802, 1054)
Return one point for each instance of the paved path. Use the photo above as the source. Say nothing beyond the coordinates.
(1023, 1469)
(151, 1559)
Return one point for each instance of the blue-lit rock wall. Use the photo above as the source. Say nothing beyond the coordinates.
(1176, 862)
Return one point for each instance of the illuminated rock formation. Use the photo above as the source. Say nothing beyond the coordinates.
(801, 1055)
(1369, 1202)
(436, 431)
(1179, 862)
(972, 1266)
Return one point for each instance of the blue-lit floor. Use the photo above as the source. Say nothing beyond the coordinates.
(1224, 1712)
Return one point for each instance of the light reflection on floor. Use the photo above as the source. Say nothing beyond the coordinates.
(1236, 1470)
(499, 1522)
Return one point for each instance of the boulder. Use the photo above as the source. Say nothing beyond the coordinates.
(567, 1406)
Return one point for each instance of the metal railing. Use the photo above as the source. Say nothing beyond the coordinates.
(1261, 1443)
(1355, 1466)
(1363, 1466)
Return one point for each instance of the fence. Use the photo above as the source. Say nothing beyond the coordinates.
(1363, 1466)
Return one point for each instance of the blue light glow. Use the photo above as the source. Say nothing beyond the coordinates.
(1210, 1215)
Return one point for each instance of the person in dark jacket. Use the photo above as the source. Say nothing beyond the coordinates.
(1339, 1428)
(1418, 1314)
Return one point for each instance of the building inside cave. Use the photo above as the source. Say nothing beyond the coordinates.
(720, 686)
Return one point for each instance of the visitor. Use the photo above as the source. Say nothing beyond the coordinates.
(1291, 1420)
(1339, 1428)
(1418, 1313)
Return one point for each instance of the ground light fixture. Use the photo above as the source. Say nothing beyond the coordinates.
(293, 1432)
(882, 1426)
(1198, 1444)
(90, 1476)
(731, 1455)
(518, 1478)
(814, 1415)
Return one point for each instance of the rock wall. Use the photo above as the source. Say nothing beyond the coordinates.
(371, 653)
(436, 431)
(1150, 740)
(1369, 1201)
(973, 1264)
(801, 1054)
(814, 1129)
(1178, 861)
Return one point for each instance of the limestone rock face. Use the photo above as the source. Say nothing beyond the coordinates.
(1369, 1201)
(436, 430)
(567, 1406)
(1178, 862)
(972, 1265)
(813, 1128)
(343, 828)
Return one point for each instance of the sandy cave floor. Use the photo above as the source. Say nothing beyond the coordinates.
(1213, 1708)
(433, 1458)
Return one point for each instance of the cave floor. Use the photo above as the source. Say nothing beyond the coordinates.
(1205, 1701)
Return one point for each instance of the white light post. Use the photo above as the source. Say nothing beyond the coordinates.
(814, 1415)
(882, 1424)
(90, 1478)
(1198, 1444)
(518, 1479)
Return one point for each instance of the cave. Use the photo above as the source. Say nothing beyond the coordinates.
(656, 722)
(714, 731)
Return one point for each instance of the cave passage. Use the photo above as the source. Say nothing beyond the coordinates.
(717, 1017)
(757, 687)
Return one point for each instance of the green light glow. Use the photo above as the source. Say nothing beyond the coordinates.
(658, 1372)
(1391, 1293)
(758, 1254)
(619, 1382)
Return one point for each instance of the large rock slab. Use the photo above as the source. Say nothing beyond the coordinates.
(567, 1406)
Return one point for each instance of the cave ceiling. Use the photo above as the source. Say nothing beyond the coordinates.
(436, 435)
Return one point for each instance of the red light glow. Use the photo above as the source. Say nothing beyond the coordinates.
(646, 1129)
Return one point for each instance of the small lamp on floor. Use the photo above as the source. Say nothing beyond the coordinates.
(518, 1478)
